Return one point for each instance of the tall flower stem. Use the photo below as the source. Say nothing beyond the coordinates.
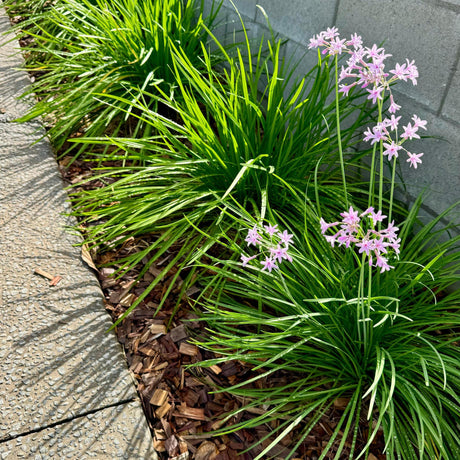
(372, 178)
(361, 306)
(339, 137)
(379, 105)
(393, 175)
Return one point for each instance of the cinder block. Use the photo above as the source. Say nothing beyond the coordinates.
(246, 7)
(451, 107)
(403, 26)
(220, 25)
(298, 19)
(301, 59)
(235, 31)
(439, 173)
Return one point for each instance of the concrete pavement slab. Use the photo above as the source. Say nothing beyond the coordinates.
(56, 359)
(12, 82)
(112, 433)
(65, 390)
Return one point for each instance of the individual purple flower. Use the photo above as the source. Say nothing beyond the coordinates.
(419, 123)
(331, 33)
(399, 71)
(280, 254)
(365, 245)
(355, 58)
(379, 245)
(391, 230)
(391, 150)
(347, 238)
(410, 132)
(377, 216)
(382, 262)
(393, 106)
(355, 41)
(367, 211)
(351, 217)
(253, 236)
(392, 122)
(345, 89)
(414, 159)
(271, 229)
(395, 245)
(332, 239)
(337, 46)
(375, 135)
(325, 226)
(246, 259)
(375, 93)
(268, 264)
(285, 237)
(412, 71)
(374, 51)
(316, 41)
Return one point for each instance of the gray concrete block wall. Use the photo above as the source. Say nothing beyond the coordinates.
(427, 31)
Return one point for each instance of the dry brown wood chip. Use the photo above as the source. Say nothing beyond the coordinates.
(163, 410)
(159, 397)
(190, 412)
(178, 333)
(148, 349)
(188, 349)
(216, 369)
(157, 328)
(86, 256)
(206, 451)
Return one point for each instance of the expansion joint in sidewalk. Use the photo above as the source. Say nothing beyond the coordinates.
(66, 420)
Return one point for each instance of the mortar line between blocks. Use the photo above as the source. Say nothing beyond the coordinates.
(336, 13)
(453, 70)
(67, 420)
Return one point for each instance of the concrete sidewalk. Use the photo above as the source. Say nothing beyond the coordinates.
(65, 390)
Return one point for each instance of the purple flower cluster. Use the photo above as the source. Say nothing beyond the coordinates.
(367, 68)
(370, 241)
(273, 245)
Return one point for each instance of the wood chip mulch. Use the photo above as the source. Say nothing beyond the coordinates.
(180, 404)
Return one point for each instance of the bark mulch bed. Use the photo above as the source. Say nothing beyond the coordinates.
(179, 402)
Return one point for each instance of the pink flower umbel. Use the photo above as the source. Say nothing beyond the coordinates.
(273, 245)
(354, 232)
(366, 69)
